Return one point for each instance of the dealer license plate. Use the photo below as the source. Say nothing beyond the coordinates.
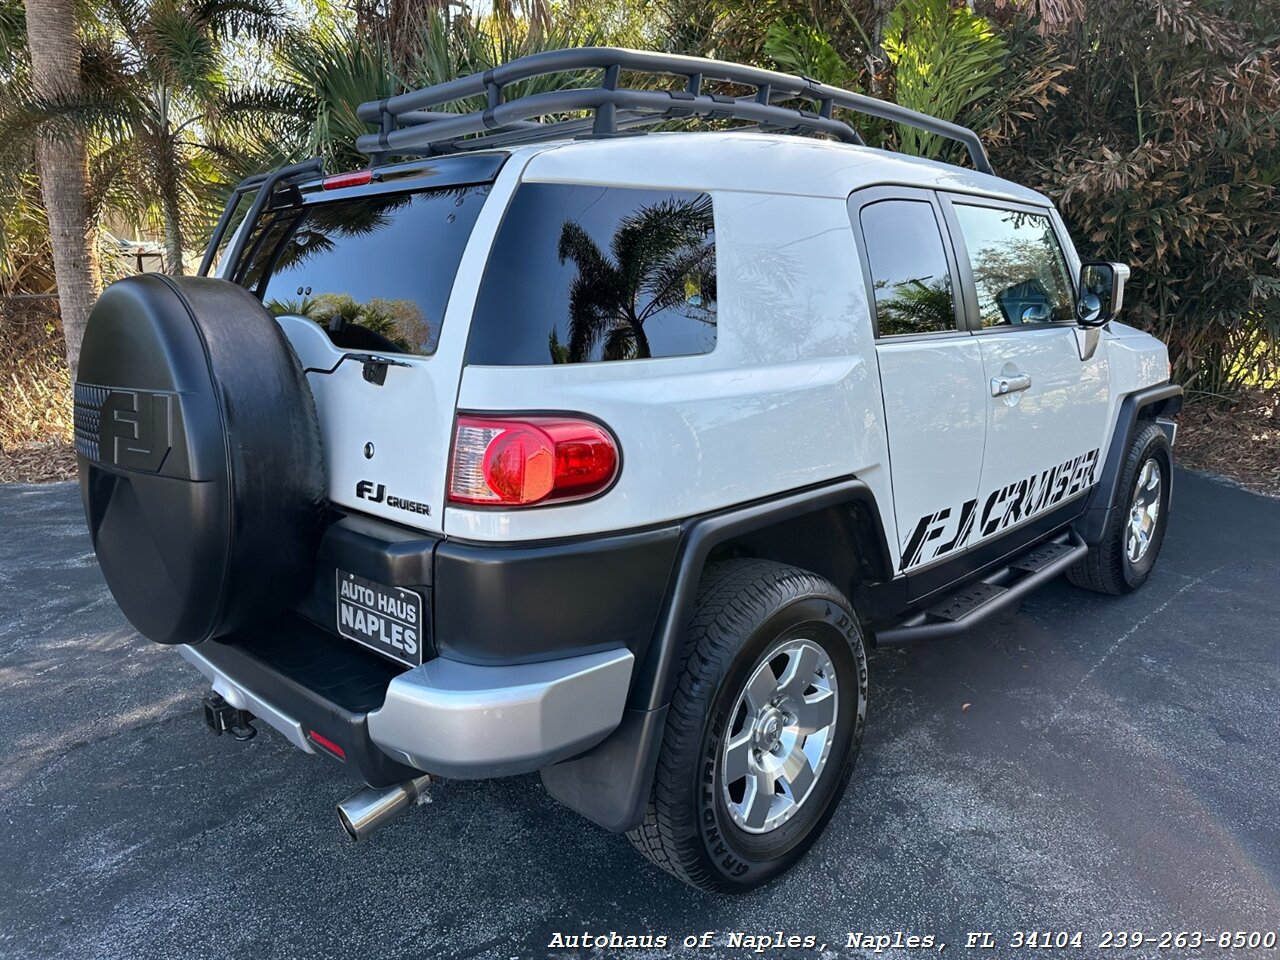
(385, 619)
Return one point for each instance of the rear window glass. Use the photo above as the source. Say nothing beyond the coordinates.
(374, 271)
(580, 274)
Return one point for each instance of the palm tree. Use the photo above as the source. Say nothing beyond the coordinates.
(161, 91)
(63, 158)
(660, 252)
(327, 72)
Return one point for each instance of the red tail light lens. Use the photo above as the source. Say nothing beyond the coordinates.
(530, 460)
(355, 178)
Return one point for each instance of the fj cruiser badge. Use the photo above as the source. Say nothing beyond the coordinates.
(377, 493)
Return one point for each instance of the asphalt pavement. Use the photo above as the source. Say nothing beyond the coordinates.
(1082, 764)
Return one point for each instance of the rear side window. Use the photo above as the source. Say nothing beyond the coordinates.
(1018, 268)
(909, 270)
(374, 271)
(581, 274)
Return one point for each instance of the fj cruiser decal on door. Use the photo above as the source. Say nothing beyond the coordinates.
(940, 533)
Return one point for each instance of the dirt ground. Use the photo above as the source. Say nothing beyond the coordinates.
(1239, 440)
(38, 462)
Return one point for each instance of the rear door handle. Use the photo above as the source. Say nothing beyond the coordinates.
(1013, 383)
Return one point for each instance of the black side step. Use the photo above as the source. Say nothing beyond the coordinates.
(997, 589)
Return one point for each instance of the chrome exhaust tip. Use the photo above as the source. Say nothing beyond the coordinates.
(373, 807)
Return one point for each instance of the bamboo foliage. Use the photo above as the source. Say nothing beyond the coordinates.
(945, 60)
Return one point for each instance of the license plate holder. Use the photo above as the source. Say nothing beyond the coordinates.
(387, 620)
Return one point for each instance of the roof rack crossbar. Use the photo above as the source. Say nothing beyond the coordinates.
(411, 123)
(533, 132)
(659, 105)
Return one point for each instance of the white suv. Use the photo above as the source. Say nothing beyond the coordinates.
(555, 447)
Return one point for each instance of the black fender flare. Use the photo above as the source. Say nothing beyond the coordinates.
(1163, 400)
(610, 783)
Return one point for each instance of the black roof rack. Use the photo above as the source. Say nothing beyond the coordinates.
(265, 184)
(413, 124)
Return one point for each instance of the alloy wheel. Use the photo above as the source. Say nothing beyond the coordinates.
(780, 736)
(1144, 513)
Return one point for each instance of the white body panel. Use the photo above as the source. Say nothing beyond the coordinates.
(409, 418)
(936, 411)
(1046, 444)
(789, 396)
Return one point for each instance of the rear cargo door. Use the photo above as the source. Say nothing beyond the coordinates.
(373, 285)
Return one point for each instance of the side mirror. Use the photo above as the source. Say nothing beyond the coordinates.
(1101, 293)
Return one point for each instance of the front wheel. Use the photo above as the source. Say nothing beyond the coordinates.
(763, 728)
(1124, 558)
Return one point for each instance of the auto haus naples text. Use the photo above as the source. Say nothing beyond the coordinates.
(375, 615)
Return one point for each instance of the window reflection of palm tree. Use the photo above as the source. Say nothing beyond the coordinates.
(289, 238)
(915, 306)
(663, 258)
(325, 224)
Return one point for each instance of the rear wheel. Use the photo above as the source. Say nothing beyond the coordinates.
(763, 729)
(1124, 558)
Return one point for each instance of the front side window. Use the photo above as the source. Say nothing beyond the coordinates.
(583, 274)
(1018, 267)
(909, 272)
(374, 271)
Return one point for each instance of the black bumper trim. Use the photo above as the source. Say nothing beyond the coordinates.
(325, 683)
(504, 603)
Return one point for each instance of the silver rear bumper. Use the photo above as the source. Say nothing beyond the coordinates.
(468, 721)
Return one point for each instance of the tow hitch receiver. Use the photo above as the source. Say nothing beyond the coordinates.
(221, 717)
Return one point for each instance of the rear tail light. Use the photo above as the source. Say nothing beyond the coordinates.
(517, 462)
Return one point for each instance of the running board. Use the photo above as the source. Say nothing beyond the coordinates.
(996, 590)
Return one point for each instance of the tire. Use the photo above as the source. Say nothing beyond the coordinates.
(200, 457)
(747, 613)
(1111, 566)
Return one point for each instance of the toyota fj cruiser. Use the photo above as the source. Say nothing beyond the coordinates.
(541, 445)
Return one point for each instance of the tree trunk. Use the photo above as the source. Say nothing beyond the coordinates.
(881, 9)
(642, 338)
(63, 158)
(172, 214)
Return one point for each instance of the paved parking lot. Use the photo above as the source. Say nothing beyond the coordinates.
(1083, 764)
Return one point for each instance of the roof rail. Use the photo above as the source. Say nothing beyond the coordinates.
(265, 184)
(412, 123)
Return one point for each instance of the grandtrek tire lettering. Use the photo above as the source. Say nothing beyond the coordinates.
(1004, 507)
(377, 493)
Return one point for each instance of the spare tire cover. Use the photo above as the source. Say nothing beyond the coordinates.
(199, 454)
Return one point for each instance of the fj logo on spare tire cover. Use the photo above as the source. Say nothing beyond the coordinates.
(377, 493)
(131, 429)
